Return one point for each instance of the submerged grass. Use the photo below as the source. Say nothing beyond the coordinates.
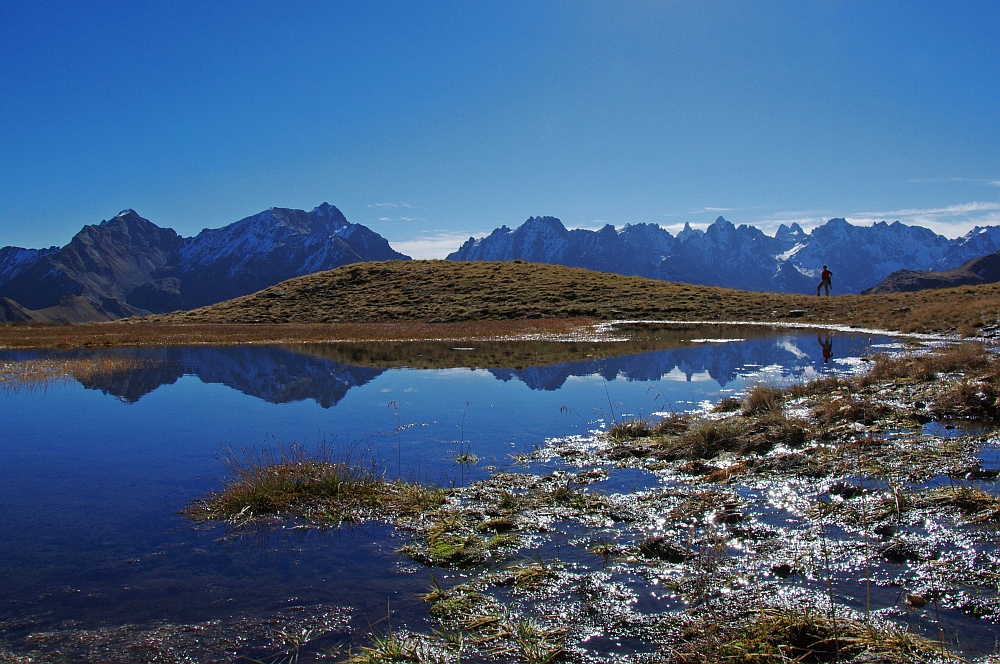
(322, 486)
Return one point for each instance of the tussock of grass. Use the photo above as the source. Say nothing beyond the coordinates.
(976, 505)
(706, 439)
(293, 482)
(824, 385)
(673, 424)
(968, 356)
(727, 405)
(399, 647)
(450, 542)
(849, 409)
(528, 575)
(762, 400)
(969, 399)
(779, 635)
(629, 429)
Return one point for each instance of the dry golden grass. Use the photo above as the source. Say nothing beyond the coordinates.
(143, 332)
(442, 291)
(399, 300)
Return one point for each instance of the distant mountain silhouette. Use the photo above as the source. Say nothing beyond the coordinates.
(982, 270)
(737, 256)
(129, 266)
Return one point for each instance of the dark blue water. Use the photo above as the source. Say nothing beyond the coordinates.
(92, 474)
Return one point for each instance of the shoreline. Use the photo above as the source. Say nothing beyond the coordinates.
(559, 330)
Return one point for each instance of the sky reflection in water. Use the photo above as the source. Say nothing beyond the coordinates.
(92, 475)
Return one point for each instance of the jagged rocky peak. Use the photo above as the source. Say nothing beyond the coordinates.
(125, 232)
(325, 219)
(128, 219)
(549, 222)
(687, 232)
(790, 234)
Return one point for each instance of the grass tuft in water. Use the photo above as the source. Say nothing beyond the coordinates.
(629, 429)
(320, 486)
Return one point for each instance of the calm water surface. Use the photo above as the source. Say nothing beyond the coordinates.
(93, 472)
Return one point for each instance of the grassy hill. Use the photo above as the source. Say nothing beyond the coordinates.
(444, 291)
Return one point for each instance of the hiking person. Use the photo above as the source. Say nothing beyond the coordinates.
(824, 281)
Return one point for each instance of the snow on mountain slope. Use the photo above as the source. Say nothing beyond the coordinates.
(977, 242)
(15, 260)
(861, 256)
(269, 247)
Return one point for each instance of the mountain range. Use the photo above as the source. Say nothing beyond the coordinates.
(738, 256)
(129, 266)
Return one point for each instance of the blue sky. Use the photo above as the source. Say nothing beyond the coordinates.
(433, 121)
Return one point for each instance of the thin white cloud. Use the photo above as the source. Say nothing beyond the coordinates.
(950, 221)
(717, 209)
(437, 245)
(950, 210)
(385, 219)
(941, 180)
(382, 205)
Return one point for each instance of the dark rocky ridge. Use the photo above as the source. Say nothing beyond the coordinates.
(129, 266)
(982, 270)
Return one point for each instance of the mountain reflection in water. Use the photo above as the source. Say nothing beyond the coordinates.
(91, 486)
(326, 373)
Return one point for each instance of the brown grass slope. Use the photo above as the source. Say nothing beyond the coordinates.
(445, 291)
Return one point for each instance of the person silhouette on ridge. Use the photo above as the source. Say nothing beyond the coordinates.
(824, 281)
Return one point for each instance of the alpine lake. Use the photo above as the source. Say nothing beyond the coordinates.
(578, 545)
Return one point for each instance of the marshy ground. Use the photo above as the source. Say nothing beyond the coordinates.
(852, 518)
(849, 519)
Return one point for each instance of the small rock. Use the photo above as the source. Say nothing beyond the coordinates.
(916, 601)
(899, 551)
(664, 549)
(784, 570)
